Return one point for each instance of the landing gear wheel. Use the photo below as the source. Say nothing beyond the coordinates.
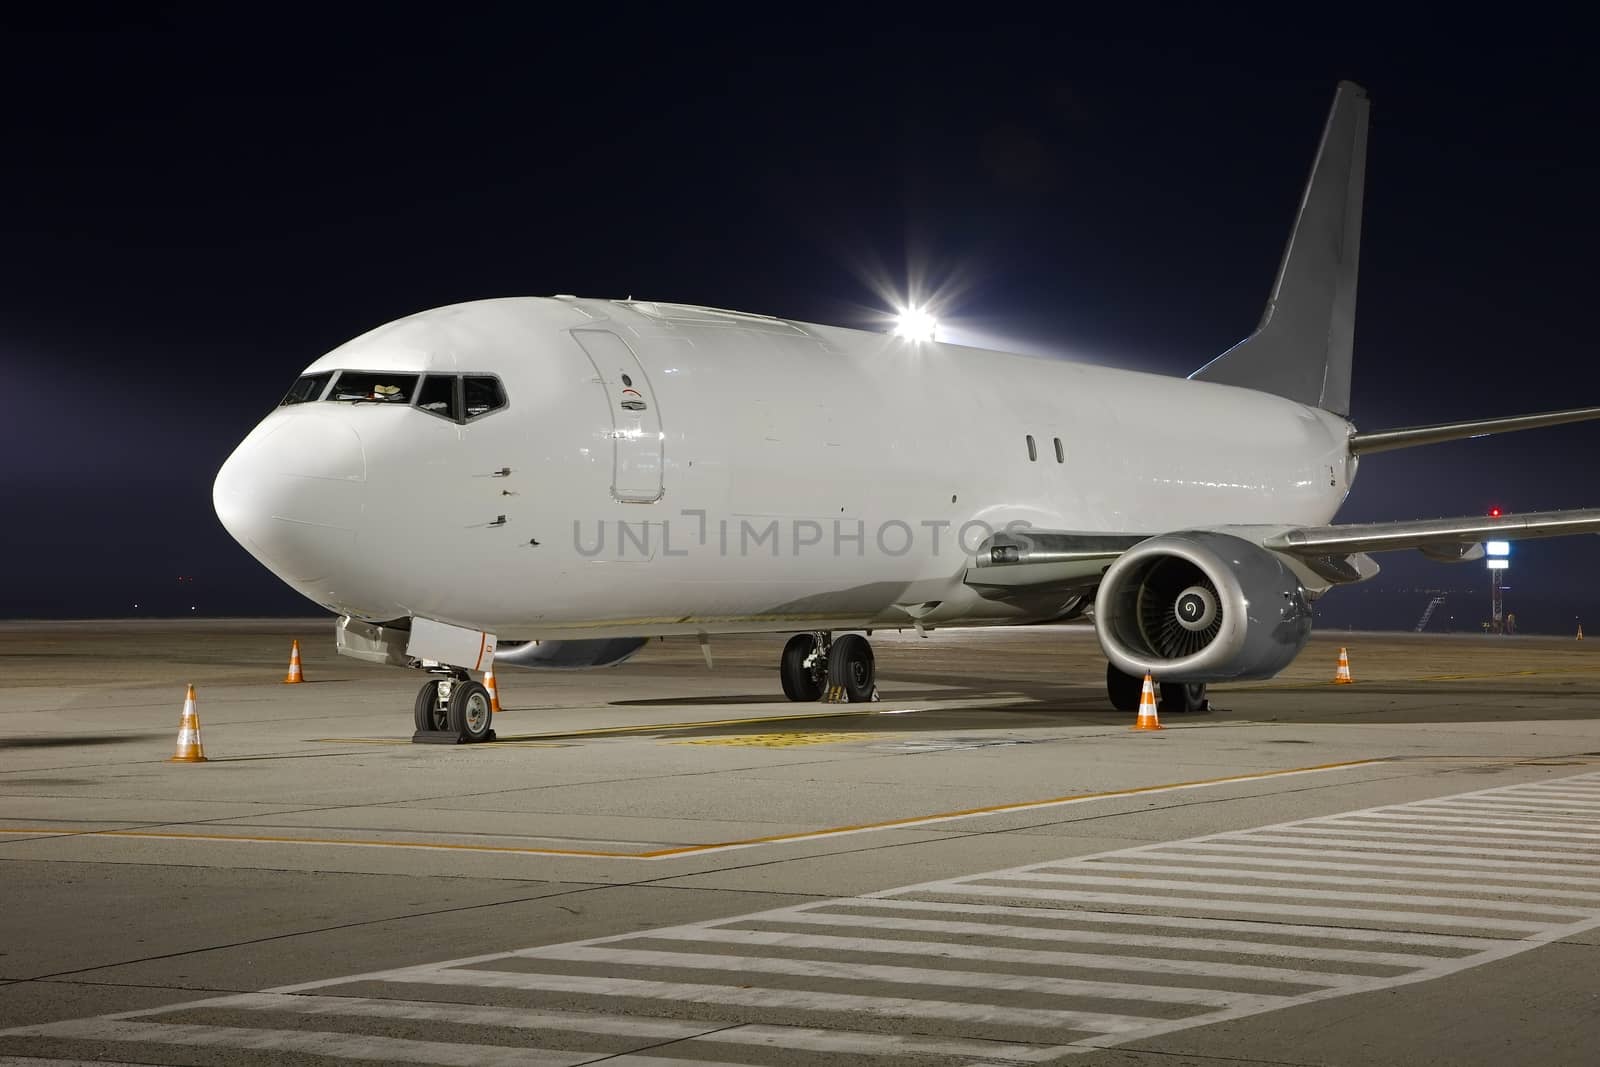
(852, 668)
(471, 711)
(1123, 689)
(428, 714)
(1180, 697)
(800, 681)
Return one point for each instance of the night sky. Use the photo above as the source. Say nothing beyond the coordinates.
(198, 204)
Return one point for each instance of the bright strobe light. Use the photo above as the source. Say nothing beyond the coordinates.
(916, 324)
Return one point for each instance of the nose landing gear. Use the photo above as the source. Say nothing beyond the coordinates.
(452, 709)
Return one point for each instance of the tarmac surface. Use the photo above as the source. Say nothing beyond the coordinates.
(661, 864)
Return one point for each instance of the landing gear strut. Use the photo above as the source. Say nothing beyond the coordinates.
(452, 709)
(817, 667)
(1176, 698)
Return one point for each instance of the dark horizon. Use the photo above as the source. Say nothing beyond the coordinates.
(200, 205)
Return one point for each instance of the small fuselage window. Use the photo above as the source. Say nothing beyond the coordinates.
(306, 388)
(381, 387)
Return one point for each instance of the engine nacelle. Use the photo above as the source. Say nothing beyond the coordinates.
(1201, 607)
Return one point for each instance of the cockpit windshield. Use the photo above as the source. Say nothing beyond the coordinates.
(455, 398)
(382, 387)
(306, 388)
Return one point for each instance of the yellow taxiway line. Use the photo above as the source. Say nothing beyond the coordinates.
(683, 851)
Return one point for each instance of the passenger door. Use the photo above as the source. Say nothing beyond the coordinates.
(637, 443)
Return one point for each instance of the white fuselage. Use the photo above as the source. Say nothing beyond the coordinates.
(731, 500)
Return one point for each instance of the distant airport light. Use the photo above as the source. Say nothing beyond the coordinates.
(1494, 512)
(1499, 564)
(916, 324)
(1498, 548)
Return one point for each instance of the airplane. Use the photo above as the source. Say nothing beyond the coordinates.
(549, 482)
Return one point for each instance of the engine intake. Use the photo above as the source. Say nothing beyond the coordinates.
(1201, 607)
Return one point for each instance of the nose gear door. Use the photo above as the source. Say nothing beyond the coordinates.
(637, 442)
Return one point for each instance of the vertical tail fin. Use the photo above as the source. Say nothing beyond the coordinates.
(1301, 349)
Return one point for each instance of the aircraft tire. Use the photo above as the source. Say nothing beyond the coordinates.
(852, 667)
(800, 683)
(1123, 689)
(426, 714)
(471, 712)
(1182, 697)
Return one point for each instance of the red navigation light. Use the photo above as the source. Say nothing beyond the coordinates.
(1494, 513)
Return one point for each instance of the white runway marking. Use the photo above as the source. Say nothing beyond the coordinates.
(1216, 884)
(1479, 863)
(472, 1014)
(751, 996)
(866, 972)
(1206, 901)
(1322, 877)
(947, 950)
(1027, 965)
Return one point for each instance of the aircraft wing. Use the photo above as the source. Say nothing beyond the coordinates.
(1440, 538)
(1026, 562)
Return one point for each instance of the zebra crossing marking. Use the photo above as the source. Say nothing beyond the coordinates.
(1018, 966)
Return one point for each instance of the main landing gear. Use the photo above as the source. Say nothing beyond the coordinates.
(817, 667)
(452, 709)
(1172, 697)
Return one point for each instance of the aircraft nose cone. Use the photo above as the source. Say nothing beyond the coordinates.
(293, 493)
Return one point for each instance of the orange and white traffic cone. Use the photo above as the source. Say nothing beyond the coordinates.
(295, 673)
(1342, 676)
(1147, 719)
(494, 691)
(190, 750)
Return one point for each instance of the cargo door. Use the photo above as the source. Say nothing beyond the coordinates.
(636, 437)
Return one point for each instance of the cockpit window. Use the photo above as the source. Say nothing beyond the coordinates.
(381, 387)
(438, 396)
(482, 395)
(306, 388)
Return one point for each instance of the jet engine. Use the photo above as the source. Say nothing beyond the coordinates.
(1201, 606)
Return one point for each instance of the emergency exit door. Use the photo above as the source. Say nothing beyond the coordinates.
(636, 438)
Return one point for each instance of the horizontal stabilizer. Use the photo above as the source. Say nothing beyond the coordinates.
(1432, 535)
(1413, 436)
